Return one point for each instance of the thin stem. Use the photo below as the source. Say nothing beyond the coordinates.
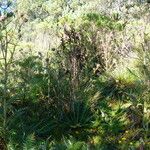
(5, 84)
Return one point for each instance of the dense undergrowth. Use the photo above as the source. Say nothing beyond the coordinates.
(74, 75)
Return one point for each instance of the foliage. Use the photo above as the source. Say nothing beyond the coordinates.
(74, 75)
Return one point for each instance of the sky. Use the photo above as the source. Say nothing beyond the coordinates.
(4, 8)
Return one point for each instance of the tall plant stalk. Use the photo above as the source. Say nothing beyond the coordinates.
(5, 84)
(8, 43)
